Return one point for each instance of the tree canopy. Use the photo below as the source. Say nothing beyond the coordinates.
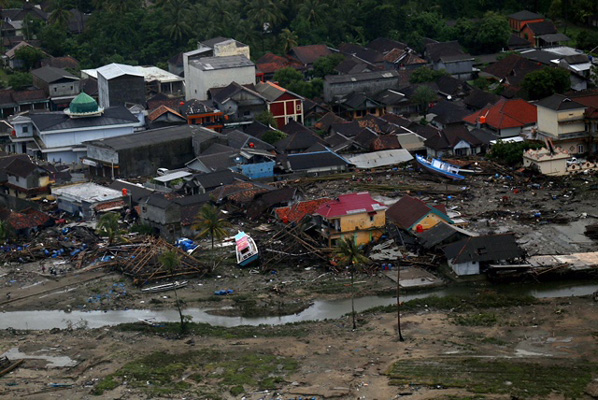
(546, 82)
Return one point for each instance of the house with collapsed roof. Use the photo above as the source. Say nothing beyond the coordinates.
(88, 199)
(473, 255)
(355, 216)
(412, 214)
(25, 179)
(27, 221)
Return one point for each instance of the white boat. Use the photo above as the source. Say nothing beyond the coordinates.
(245, 249)
(165, 287)
(440, 167)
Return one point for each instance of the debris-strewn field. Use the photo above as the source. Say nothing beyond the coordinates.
(454, 348)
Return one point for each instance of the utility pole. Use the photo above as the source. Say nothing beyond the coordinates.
(401, 339)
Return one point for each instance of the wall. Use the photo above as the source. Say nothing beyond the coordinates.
(549, 167)
(428, 221)
(76, 137)
(229, 48)
(509, 132)
(67, 88)
(259, 170)
(126, 89)
(145, 160)
(547, 121)
(286, 107)
(571, 121)
(370, 87)
(470, 268)
(362, 221)
(198, 82)
(103, 154)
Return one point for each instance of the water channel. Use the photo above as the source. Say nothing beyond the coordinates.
(320, 310)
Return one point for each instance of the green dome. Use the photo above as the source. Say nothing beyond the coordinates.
(83, 104)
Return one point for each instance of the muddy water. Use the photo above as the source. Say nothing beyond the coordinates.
(320, 310)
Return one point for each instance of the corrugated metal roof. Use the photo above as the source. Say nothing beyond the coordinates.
(172, 176)
(380, 158)
(115, 70)
(211, 63)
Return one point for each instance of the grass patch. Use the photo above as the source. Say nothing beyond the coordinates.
(474, 302)
(172, 330)
(514, 377)
(481, 319)
(161, 373)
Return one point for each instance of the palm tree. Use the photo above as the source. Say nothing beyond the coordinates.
(312, 10)
(109, 226)
(265, 14)
(289, 39)
(177, 13)
(210, 223)
(60, 13)
(171, 259)
(352, 256)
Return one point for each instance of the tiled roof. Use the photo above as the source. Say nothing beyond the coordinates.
(240, 192)
(525, 15)
(28, 218)
(158, 112)
(297, 212)
(269, 63)
(309, 54)
(542, 28)
(24, 96)
(506, 114)
(559, 102)
(110, 205)
(408, 210)
(384, 45)
(512, 68)
(61, 62)
(347, 204)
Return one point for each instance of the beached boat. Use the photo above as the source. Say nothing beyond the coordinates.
(165, 287)
(246, 249)
(440, 167)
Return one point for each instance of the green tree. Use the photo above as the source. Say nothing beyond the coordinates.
(286, 76)
(266, 15)
(289, 39)
(426, 74)
(492, 34)
(54, 40)
(31, 57)
(176, 14)
(423, 96)
(20, 80)
(60, 13)
(546, 82)
(511, 153)
(352, 257)
(266, 118)
(109, 226)
(326, 65)
(5, 230)
(273, 136)
(171, 259)
(210, 223)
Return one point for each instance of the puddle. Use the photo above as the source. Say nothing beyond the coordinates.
(53, 361)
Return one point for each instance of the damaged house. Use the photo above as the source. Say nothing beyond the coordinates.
(473, 255)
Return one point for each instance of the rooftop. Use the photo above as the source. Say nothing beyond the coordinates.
(88, 192)
(347, 204)
(224, 62)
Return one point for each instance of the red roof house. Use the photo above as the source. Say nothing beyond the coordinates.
(282, 103)
(507, 117)
(297, 212)
(354, 216)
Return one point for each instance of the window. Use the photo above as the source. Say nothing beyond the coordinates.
(25, 129)
(581, 148)
(55, 89)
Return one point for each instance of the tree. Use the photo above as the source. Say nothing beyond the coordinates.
(265, 14)
(31, 57)
(109, 225)
(5, 230)
(273, 136)
(352, 256)
(546, 82)
(171, 260)
(20, 80)
(326, 65)
(267, 118)
(176, 13)
(210, 223)
(289, 39)
(426, 74)
(60, 13)
(511, 153)
(423, 96)
(287, 75)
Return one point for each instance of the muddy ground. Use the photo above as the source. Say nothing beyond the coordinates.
(333, 361)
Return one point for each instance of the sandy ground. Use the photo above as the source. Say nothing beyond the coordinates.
(335, 362)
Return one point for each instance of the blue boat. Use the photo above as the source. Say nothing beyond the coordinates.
(440, 168)
(246, 249)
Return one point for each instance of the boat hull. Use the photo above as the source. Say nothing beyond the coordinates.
(449, 171)
(246, 250)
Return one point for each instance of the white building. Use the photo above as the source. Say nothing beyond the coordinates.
(215, 72)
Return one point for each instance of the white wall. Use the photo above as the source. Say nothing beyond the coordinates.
(469, 268)
(198, 82)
